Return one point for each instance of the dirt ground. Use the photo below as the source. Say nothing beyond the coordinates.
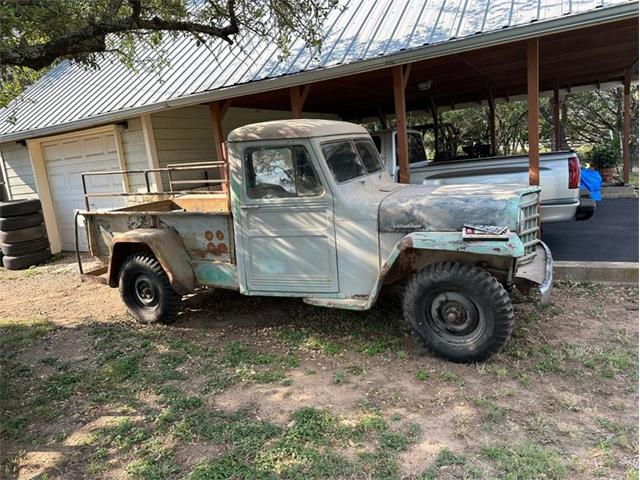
(272, 388)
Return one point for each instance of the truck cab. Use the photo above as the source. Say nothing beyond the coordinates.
(311, 212)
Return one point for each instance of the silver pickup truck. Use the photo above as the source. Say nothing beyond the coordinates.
(559, 173)
(310, 212)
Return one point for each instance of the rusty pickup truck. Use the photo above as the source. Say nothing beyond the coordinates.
(305, 208)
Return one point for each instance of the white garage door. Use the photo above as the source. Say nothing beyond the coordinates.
(65, 160)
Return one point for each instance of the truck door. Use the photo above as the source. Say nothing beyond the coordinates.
(287, 226)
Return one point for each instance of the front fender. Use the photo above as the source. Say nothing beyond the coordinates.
(453, 241)
(166, 246)
(446, 241)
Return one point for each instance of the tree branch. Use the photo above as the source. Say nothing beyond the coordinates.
(92, 38)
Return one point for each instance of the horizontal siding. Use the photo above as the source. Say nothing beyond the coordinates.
(184, 135)
(20, 180)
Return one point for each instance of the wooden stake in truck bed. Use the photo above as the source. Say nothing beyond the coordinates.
(313, 214)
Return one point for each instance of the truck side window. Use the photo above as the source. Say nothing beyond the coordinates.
(342, 160)
(280, 172)
(368, 155)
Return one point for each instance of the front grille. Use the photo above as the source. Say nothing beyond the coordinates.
(529, 225)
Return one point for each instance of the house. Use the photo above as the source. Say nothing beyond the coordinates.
(379, 57)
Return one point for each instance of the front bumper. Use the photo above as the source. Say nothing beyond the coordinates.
(538, 272)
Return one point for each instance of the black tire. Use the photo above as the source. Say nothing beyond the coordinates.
(23, 248)
(479, 315)
(23, 235)
(16, 208)
(25, 261)
(15, 223)
(146, 291)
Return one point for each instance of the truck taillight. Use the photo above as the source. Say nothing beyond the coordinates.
(574, 172)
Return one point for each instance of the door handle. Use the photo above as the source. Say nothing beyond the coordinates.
(249, 207)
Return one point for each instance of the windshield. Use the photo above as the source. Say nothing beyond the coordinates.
(350, 159)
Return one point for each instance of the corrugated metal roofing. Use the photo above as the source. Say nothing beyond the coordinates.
(70, 96)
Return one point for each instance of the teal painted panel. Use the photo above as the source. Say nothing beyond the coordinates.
(214, 274)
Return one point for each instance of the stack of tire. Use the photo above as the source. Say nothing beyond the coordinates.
(23, 237)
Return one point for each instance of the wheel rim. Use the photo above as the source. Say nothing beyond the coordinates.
(145, 292)
(454, 317)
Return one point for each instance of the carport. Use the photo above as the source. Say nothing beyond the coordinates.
(597, 55)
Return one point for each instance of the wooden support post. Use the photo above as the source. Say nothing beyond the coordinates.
(400, 77)
(533, 110)
(492, 123)
(217, 111)
(626, 130)
(298, 96)
(556, 117)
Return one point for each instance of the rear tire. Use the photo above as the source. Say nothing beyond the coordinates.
(146, 291)
(460, 311)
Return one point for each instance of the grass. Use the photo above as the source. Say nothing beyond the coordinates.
(493, 413)
(525, 461)
(450, 377)
(164, 385)
(441, 467)
(19, 333)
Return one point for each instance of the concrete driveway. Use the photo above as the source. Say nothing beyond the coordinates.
(611, 235)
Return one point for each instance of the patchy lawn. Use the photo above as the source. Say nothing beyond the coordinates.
(252, 388)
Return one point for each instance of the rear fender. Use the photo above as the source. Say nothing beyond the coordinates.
(165, 245)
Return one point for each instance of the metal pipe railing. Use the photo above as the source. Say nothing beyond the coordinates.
(186, 167)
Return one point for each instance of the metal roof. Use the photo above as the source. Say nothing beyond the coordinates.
(365, 35)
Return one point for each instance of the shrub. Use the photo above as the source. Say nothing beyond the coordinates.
(605, 155)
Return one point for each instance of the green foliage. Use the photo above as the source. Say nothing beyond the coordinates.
(14, 81)
(587, 119)
(604, 155)
(526, 460)
(35, 35)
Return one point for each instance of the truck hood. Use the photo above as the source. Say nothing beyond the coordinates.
(448, 208)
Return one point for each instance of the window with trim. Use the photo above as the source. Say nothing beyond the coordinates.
(280, 172)
(349, 159)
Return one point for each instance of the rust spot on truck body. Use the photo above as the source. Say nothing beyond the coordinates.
(217, 250)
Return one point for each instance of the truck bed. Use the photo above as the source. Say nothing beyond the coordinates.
(203, 222)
